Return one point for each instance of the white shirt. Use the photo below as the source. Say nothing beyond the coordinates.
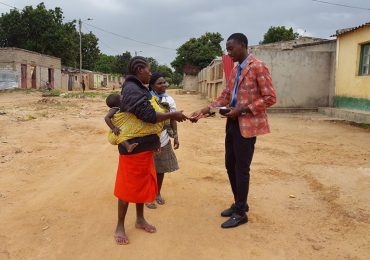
(164, 138)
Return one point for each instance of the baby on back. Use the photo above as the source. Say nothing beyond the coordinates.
(125, 126)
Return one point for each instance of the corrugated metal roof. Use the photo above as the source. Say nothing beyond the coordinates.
(347, 30)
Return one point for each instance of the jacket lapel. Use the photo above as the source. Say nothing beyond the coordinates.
(251, 59)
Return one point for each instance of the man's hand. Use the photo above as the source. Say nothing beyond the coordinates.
(176, 143)
(116, 130)
(234, 113)
(195, 116)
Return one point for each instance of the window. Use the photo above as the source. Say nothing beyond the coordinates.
(365, 60)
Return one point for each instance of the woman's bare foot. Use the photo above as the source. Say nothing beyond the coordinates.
(142, 224)
(151, 205)
(160, 200)
(120, 236)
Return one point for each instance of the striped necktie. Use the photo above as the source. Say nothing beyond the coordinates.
(235, 91)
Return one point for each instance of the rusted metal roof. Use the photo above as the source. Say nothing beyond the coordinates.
(347, 30)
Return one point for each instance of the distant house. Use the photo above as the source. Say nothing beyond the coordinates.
(352, 83)
(27, 69)
(92, 79)
(71, 79)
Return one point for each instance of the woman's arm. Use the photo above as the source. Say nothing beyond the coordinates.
(177, 116)
(176, 143)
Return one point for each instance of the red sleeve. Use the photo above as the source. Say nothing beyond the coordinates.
(266, 89)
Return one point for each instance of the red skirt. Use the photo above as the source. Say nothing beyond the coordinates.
(136, 179)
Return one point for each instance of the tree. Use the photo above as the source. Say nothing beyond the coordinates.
(122, 63)
(106, 64)
(167, 73)
(153, 64)
(176, 78)
(197, 53)
(41, 30)
(90, 51)
(278, 34)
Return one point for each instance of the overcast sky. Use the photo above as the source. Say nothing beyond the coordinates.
(169, 23)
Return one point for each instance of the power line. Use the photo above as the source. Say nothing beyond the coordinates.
(130, 39)
(106, 45)
(348, 6)
(8, 5)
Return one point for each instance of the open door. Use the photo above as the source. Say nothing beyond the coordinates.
(51, 77)
(33, 77)
(70, 82)
(23, 76)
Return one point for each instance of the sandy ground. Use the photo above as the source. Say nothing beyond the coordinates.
(57, 173)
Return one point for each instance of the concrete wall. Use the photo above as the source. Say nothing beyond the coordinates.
(352, 90)
(8, 76)
(211, 80)
(14, 57)
(75, 81)
(301, 78)
(96, 80)
(190, 83)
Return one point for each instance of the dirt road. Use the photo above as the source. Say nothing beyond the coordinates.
(309, 196)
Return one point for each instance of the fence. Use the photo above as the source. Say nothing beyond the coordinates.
(211, 80)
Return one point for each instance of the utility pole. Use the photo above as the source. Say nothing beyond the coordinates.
(79, 26)
(79, 29)
(136, 52)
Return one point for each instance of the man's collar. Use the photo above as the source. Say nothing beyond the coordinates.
(245, 62)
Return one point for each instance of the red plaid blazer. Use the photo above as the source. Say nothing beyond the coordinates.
(255, 91)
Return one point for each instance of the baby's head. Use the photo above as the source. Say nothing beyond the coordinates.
(113, 100)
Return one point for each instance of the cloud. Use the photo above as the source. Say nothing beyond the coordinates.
(170, 23)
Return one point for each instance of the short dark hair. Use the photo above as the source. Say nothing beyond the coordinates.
(113, 100)
(239, 37)
(155, 76)
(136, 63)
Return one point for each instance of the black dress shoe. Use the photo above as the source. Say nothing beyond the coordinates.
(228, 212)
(235, 221)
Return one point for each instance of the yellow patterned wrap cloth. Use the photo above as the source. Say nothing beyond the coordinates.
(132, 127)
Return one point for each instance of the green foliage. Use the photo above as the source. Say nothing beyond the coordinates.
(88, 94)
(113, 64)
(90, 51)
(106, 64)
(50, 93)
(278, 34)
(197, 53)
(41, 30)
(153, 64)
(122, 63)
(176, 78)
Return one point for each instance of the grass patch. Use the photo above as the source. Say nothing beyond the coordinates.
(30, 117)
(26, 118)
(361, 125)
(15, 90)
(50, 93)
(88, 94)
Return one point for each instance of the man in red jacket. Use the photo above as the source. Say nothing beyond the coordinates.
(247, 94)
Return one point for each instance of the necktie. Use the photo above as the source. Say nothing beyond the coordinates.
(235, 91)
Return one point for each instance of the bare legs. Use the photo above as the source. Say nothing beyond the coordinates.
(120, 234)
(159, 199)
(160, 177)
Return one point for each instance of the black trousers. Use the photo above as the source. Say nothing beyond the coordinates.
(238, 158)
